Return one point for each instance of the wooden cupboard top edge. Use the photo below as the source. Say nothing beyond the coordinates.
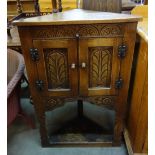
(77, 16)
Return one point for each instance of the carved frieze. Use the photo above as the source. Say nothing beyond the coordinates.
(106, 101)
(52, 103)
(70, 31)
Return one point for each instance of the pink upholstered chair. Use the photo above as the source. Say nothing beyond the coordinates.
(15, 70)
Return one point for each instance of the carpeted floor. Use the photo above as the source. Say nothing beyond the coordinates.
(27, 143)
(22, 140)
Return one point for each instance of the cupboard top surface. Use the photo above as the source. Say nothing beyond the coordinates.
(77, 16)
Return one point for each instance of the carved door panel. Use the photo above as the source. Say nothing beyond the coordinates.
(57, 67)
(99, 66)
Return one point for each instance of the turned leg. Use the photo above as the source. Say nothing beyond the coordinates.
(80, 108)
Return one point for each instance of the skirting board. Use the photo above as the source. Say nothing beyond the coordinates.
(128, 144)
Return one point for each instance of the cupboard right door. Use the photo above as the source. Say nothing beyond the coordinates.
(99, 66)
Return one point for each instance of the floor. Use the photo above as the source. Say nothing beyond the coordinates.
(22, 140)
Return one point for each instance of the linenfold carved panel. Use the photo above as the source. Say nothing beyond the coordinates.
(56, 68)
(100, 62)
(65, 31)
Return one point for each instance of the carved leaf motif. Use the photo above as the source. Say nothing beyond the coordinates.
(100, 66)
(65, 31)
(56, 67)
(88, 30)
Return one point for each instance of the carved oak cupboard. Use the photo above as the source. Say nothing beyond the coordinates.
(79, 55)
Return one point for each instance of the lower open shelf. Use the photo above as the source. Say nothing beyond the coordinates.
(81, 131)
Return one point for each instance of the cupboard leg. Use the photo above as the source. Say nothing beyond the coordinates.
(43, 130)
(118, 132)
(80, 108)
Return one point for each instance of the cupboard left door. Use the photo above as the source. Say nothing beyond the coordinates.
(57, 67)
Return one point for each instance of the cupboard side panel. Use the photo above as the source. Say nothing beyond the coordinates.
(126, 64)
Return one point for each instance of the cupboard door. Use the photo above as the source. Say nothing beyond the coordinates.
(57, 67)
(99, 66)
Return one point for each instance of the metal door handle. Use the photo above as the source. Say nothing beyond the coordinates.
(83, 65)
(73, 66)
(77, 36)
